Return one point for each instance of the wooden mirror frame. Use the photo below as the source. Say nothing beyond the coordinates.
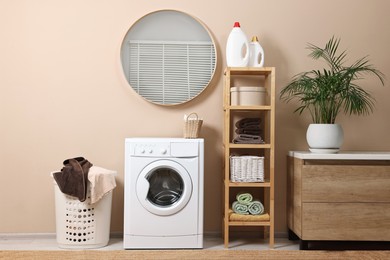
(159, 82)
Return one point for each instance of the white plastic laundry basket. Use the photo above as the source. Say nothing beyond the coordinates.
(81, 225)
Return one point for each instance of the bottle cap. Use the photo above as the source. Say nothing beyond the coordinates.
(236, 24)
(255, 39)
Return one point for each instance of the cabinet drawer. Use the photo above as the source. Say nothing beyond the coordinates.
(346, 221)
(345, 183)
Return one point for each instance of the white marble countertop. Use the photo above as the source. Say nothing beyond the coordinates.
(342, 155)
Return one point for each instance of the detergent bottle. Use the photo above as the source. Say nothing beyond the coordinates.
(256, 53)
(237, 48)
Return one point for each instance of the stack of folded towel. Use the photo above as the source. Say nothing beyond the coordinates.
(245, 205)
(248, 131)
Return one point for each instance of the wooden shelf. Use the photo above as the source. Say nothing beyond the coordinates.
(249, 146)
(250, 184)
(249, 223)
(266, 77)
(248, 108)
(249, 71)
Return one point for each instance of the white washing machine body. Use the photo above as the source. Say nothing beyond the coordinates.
(163, 193)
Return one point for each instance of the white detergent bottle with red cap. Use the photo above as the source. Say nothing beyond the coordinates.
(256, 53)
(237, 48)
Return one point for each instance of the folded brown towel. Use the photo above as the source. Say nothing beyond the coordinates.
(251, 130)
(246, 122)
(73, 177)
(248, 139)
(248, 130)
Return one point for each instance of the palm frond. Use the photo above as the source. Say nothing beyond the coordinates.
(329, 53)
(323, 93)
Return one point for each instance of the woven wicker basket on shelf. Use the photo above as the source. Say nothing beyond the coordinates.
(246, 169)
(192, 125)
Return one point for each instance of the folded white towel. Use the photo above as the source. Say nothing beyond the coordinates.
(101, 182)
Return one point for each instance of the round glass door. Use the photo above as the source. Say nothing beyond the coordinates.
(164, 187)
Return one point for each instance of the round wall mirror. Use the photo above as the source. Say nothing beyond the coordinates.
(168, 57)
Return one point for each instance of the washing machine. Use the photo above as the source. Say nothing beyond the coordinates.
(163, 204)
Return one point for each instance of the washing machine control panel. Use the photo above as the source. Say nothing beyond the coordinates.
(152, 149)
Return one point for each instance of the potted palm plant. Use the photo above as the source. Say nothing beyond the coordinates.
(327, 92)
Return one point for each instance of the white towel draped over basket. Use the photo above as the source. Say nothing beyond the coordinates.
(101, 182)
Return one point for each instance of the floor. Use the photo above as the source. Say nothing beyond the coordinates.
(48, 242)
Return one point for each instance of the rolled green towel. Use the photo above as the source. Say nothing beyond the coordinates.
(244, 198)
(256, 208)
(240, 208)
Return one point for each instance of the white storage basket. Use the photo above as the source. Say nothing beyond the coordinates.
(81, 225)
(246, 169)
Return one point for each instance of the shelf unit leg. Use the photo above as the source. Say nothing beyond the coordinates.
(271, 238)
(226, 236)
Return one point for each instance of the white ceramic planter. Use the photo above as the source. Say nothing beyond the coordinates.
(324, 138)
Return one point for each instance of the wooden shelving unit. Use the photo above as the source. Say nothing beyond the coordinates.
(263, 77)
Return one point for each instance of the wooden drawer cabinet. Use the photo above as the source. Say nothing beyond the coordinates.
(344, 196)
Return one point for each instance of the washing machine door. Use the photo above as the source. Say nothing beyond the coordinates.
(164, 187)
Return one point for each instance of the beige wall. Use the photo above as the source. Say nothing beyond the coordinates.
(63, 93)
